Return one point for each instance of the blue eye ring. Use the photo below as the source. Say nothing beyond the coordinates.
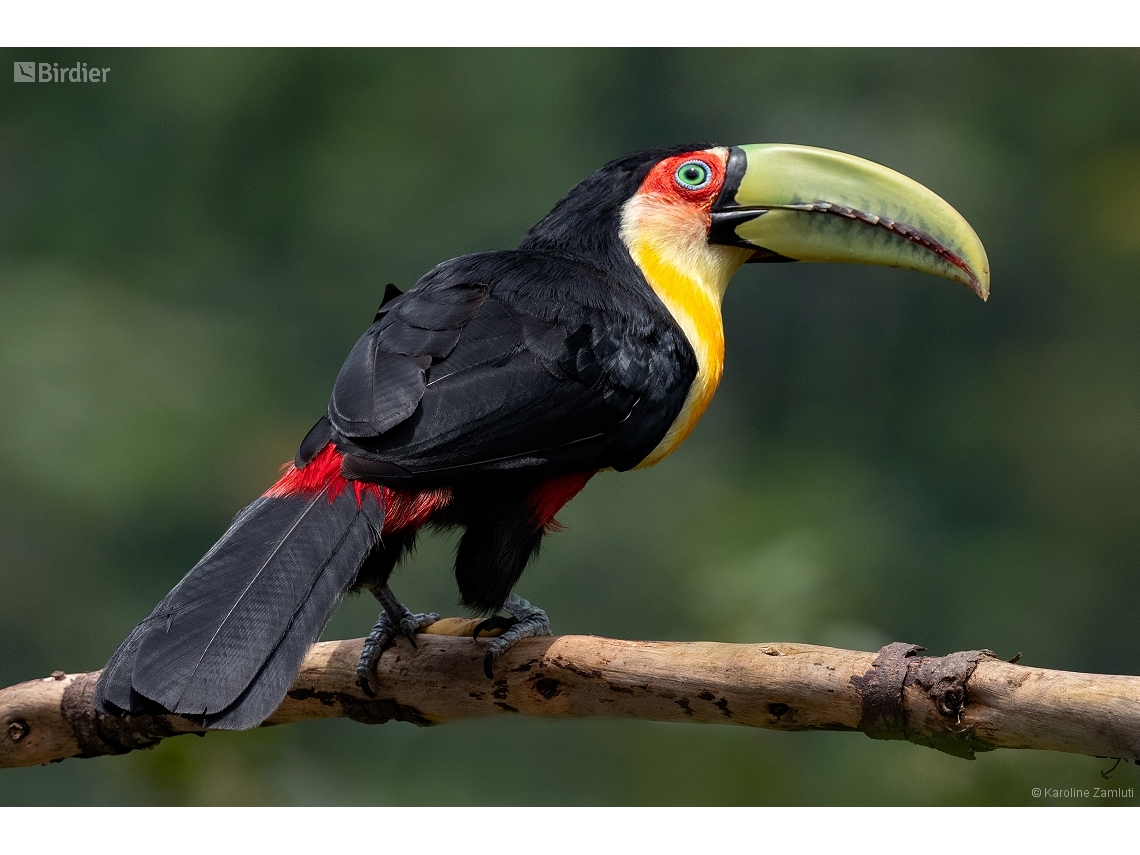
(693, 175)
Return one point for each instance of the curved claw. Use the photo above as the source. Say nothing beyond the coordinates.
(489, 664)
(525, 621)
(363, 683)
(381, 636)
(493, 622)
(366, 665)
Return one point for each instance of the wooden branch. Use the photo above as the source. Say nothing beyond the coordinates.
(961, 703)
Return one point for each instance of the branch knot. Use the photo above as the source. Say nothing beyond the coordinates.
(98, 733)
(943, 680)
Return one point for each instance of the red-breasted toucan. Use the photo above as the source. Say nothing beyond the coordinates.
(487, 395)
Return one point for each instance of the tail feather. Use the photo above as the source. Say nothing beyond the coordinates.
(272, 682)
(227, 642)
(114, 687)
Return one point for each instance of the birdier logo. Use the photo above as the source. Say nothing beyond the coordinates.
(50, 72)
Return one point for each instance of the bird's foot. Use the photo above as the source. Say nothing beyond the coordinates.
(525, 621)
(394, 620)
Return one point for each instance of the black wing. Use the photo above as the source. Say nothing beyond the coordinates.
(505, 362)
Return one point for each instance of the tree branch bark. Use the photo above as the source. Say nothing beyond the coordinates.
(961, 703)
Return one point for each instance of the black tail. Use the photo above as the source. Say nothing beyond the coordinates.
(224, 646)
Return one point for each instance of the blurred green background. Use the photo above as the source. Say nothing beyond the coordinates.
(188, 251)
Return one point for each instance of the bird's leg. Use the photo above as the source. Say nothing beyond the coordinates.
(525, 621)
(396, 618)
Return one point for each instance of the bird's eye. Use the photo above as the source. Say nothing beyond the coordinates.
(693, 174)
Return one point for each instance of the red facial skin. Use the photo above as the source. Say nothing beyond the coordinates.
(662, 180)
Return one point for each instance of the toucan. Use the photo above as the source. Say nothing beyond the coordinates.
(488, 394)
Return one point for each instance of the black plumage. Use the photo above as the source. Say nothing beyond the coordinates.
(557, 367)
(494, 372)
(223, 646)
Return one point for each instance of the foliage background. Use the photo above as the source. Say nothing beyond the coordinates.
(188, 251)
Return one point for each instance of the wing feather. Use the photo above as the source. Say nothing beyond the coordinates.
(510, 361)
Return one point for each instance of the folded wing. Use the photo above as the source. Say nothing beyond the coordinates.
(480, 370)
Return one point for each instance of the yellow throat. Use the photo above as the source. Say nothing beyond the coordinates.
(689, 276)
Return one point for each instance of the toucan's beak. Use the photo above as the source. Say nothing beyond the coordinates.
(797, 203)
